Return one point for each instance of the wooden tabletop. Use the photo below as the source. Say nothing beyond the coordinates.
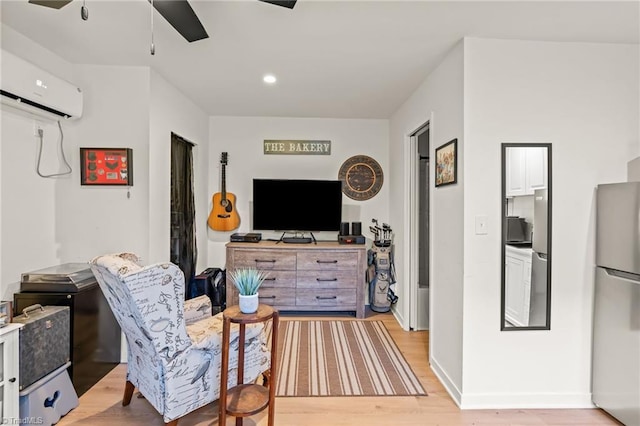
(263, 313)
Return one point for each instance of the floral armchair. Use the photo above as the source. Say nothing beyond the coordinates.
(174, 363)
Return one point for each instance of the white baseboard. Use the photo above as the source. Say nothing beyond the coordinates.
(503, 401)
(446, 381)
(525, 400)
(399, 318)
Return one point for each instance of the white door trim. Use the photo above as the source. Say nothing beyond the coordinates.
(411, 218)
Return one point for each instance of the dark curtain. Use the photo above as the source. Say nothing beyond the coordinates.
(184, 252)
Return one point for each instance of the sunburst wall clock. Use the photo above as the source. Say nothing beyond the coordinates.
(361, 177)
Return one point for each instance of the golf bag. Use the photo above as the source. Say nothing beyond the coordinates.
(381, 275)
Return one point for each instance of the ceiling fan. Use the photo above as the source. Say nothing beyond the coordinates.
(177, 12)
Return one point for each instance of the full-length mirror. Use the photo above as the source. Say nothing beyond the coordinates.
(526, 236)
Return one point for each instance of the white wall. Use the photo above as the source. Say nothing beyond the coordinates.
(242, 138)
(439, 100)
(28, 213)
(583, 99)
(27, 202)
(93, 220)
(633, 170)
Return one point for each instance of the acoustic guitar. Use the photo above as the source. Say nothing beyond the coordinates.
(223, 216)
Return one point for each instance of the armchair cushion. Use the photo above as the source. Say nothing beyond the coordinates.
(197, 308)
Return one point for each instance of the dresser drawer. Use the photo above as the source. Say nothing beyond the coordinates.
(279, 279)
(277, 296)
(262, 259)
(326, 260)
(325, 298)
(310, 280)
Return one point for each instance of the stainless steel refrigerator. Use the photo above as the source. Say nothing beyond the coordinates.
(539, 260)
(616, 324)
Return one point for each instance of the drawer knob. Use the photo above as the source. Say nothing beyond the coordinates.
(326, 297)
(270, 279)
(12, 380)
(265, 261)
(326, 279)
(327, 261)
(267, 297)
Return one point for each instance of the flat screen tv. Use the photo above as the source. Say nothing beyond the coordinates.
(297, 205)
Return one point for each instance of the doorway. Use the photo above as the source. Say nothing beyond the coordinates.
(183, 249)
(421, 217)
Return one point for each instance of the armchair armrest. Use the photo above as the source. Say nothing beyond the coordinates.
(196, 309)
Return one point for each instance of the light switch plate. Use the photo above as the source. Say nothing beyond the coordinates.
(481, 225)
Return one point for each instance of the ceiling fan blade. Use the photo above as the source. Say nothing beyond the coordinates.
(287, 4)
(181, 17)
(54, 4)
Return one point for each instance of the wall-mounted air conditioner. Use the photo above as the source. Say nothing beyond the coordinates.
(28, 88)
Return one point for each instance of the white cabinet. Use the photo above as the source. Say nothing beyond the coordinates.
(9, 380)
(535, 169)
(526, 170)
(517, 285)
(515, 171)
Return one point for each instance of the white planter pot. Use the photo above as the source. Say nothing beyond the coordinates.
(249, 304)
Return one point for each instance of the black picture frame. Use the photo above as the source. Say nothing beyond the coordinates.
(505, 213)
(446, 164)
(106, 166)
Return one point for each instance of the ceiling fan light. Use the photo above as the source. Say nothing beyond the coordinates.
(269, 79)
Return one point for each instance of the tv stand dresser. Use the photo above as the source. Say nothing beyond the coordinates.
(326, 276)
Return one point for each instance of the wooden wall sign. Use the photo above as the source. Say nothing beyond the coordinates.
(296, 147)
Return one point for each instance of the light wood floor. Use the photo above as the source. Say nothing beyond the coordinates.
(102, 404)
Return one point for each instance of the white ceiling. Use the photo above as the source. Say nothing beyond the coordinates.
(343, 59)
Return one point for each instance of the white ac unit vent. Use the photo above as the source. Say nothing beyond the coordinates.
(27, 87)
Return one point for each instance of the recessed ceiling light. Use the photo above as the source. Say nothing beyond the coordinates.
(269, 79)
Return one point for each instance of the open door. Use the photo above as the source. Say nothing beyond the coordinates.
(419, 318)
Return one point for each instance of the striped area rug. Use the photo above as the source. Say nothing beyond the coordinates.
(341, 358)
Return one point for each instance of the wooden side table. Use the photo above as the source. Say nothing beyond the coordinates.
(244, 400)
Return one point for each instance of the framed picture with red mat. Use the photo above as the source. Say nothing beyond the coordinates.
(106, 166)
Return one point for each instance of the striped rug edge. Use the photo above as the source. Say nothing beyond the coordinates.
(341, 358)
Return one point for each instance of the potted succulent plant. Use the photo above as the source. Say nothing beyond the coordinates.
(248, 281)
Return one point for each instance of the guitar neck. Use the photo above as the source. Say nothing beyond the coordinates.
(224, 182)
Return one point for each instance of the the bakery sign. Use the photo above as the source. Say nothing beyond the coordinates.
(296, 147)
